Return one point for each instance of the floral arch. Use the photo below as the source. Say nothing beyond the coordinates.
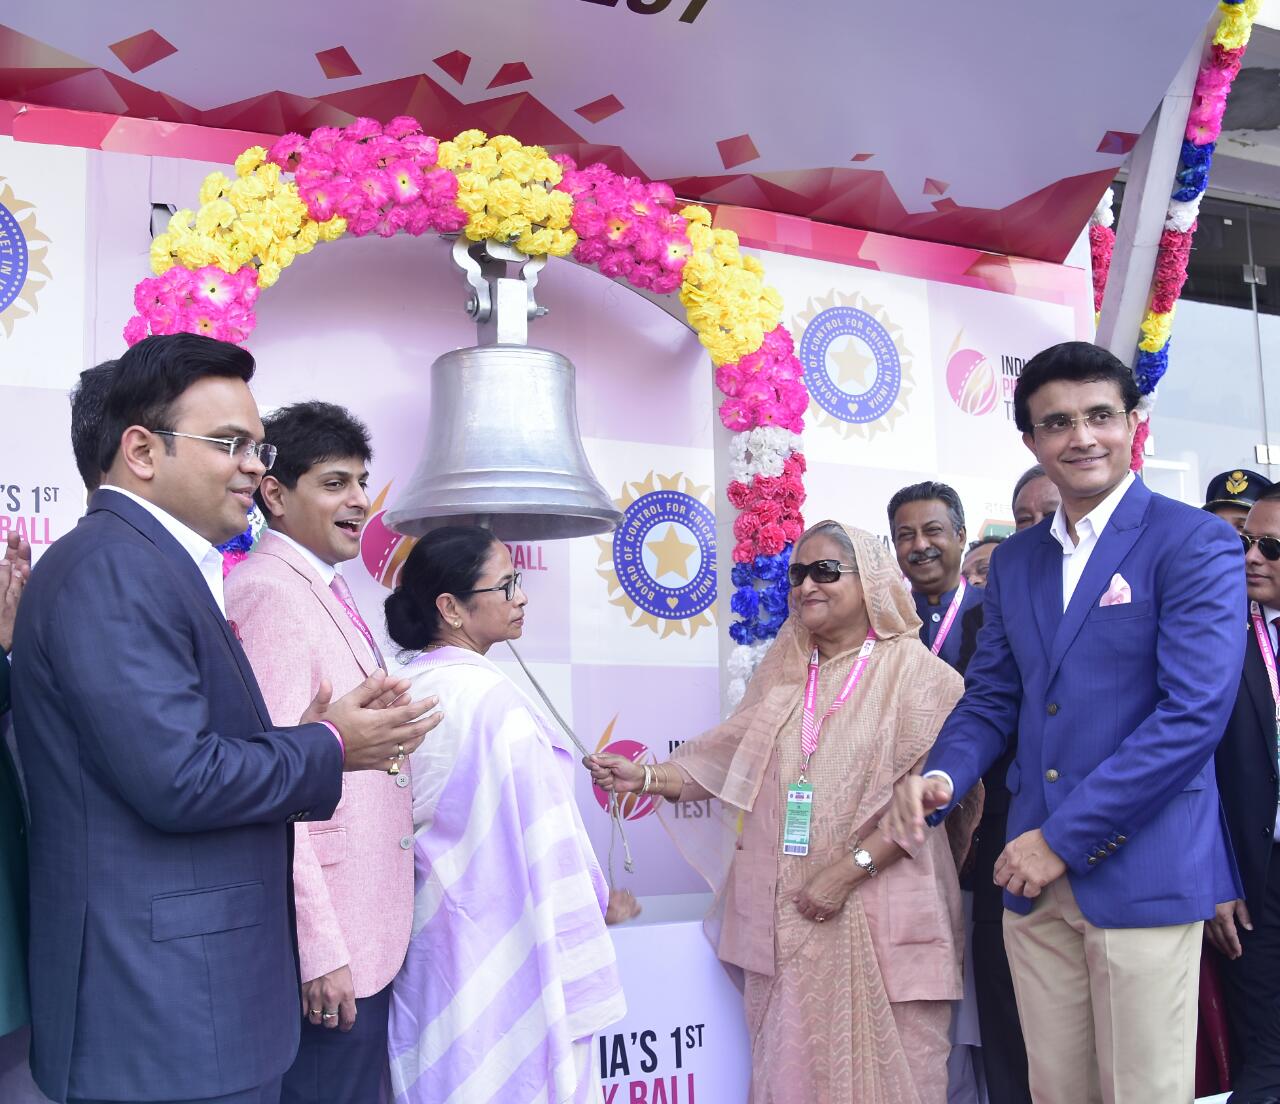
(212, 263)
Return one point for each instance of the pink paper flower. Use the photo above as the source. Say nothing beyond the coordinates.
(214, 288)
(363, 128)
(406, 181)
(135, 330)
(729, 379)
(739, 494)
(402, 126)
(771, 540)
(737, 415)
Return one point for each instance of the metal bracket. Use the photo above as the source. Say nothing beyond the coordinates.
(496, 299)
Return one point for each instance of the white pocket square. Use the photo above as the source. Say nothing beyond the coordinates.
(1118, 593)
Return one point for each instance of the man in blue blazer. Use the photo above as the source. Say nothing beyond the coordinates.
(1111, 649)
(162, 961)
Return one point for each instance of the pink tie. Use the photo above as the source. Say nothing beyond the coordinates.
(343, 593)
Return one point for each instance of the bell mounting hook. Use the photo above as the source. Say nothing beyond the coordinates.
(501, 304)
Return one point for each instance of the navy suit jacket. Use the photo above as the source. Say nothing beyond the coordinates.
(1247, 778)
(162, 960)
(952, 646)
(1117, 709)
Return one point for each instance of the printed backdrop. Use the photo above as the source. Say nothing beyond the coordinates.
(910, 358)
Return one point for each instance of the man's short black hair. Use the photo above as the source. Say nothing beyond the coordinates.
(309, 433)
(1078, 362)
(88, 403)
(152, 375)
(975, 545)
(1036, 471)
(1270, 494)
(926, 492)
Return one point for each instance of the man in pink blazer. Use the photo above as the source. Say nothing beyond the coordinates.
(352, 874)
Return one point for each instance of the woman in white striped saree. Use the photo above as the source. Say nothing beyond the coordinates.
(510, 971)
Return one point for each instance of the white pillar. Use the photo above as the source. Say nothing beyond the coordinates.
(1146, 201)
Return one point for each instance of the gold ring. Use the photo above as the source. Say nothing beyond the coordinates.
(394, 768)
(315, 1011)
(399, 751)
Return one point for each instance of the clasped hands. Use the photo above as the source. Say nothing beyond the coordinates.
(1025, 866)
(378, 723)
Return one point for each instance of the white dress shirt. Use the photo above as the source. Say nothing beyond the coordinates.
(207, 558)
(1075, 554)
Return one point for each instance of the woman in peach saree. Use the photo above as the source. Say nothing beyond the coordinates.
(851, 952)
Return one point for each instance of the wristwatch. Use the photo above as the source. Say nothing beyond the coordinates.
(862, 858)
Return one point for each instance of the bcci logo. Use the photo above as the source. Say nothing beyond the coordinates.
(856, 367)
(21, 266)
(661, 561)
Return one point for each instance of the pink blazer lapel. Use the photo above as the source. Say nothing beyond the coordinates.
(271, 545)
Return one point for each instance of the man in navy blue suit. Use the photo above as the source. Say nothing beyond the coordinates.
(162, 960)
(1247, 930)
(1111, 649)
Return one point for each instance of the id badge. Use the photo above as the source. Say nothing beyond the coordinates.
(795, 827)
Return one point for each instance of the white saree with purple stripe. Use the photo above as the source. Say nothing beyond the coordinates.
(510, 970)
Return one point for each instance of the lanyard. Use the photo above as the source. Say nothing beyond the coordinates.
(810, 726)
(949, 620)
(1268, 656)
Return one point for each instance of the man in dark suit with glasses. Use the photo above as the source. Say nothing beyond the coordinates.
(1247, 931)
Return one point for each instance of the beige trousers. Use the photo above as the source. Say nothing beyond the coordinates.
(1109, 1014)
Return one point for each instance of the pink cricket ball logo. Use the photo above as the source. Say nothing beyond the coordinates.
(972, 382)
(634, 805)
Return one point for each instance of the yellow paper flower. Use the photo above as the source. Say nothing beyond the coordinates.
(1155, 331)
(483, 160)
(560, 209)
(1236, 25)
(250, 160)
(504, 143)
(448, 156)
(518, 164)
(481, 227)
(214, 216)
(333, 229)
(215, 186)
(161, 254)
(268, 274)
(469, 139)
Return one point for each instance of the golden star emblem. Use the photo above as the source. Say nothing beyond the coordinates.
(672, 553)
(853, 367)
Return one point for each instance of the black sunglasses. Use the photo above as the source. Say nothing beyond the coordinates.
(820, 571)
(1268, 546)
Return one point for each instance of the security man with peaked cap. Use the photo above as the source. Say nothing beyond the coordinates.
(1232, 493)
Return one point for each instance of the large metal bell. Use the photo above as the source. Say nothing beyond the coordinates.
(502, 449)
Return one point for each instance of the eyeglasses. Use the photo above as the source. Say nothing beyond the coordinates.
(820, 571)
(1058, 424)
(508, 588)
(1268, 546)
(240, 448)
